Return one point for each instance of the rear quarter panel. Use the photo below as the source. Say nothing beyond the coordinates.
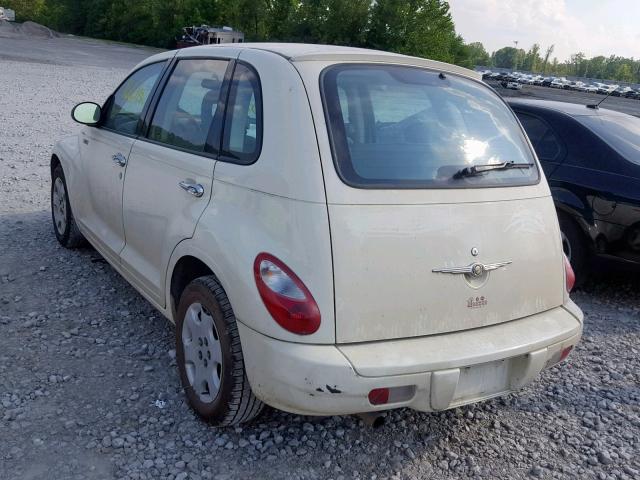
(239, 224)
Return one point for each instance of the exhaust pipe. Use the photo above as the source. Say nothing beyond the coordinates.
(372, 419)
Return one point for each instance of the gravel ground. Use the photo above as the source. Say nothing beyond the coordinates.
(89, 387)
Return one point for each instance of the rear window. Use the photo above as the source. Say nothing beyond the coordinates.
(621, 132)
(404, 127)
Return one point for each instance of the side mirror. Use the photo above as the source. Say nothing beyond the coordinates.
(87, 113)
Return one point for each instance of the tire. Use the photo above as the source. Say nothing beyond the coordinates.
(633, 238)
(209, 356)
(575, 247)
(64, 225)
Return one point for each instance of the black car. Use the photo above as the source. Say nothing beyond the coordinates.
(633, 94)
(591, 158)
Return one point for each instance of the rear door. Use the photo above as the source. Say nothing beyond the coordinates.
(170, 171)
(422, 246)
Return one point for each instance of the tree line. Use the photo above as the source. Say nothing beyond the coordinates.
(414, 27)
(533, 60)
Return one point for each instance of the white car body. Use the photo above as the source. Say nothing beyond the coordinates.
(373, 258)
(588, 88)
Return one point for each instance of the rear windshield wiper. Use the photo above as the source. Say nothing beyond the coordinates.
(480, 169)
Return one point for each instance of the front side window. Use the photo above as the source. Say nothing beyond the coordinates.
(187, 108)
(127, 103)
(403, 127)
(242, 138)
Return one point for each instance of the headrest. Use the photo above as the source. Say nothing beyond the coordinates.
(210, 83)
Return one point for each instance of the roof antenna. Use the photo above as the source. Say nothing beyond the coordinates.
(596, 106)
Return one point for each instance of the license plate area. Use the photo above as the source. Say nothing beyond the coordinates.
(477, 382)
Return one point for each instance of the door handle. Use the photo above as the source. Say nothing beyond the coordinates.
(194, 189)
(119, 159)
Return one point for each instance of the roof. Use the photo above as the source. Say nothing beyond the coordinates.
(301, 52)
(571, 109)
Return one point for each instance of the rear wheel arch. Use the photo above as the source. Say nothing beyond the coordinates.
(186, 269)
(580, 245)
(54, 163)
(584, 225)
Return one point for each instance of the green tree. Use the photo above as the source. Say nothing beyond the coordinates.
(506, 57)
(532, 60)
(477, 54)
(280, 18)
(415, 27)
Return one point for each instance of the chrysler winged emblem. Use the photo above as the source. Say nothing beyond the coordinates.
(473, 269)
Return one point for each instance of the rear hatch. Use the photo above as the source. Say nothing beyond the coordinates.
(440, 217)
(385, 257)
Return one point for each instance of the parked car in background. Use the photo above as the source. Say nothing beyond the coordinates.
(558, 83)
(621, 91)
(571, 85)
(512, 85)
(547, 81)
(588, 88)
(332, 230)
(605, 89)
(591, 158)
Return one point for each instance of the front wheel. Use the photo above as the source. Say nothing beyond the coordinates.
(209, 356)
(64, 224)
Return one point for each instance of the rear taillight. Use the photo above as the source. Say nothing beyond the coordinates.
(287, 299)
(565, 352)
(570, 277)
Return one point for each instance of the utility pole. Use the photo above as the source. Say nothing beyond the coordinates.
(515, 57)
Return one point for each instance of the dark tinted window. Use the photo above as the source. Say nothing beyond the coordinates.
(621, 132)
(403, 127)
(543, 138)
(127, 103)
(188, 104)
(242, 137)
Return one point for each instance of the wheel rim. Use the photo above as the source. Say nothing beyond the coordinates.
(566, 245)
(59, 206)
(202, 352)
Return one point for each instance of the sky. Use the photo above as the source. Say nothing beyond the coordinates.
(593, 27)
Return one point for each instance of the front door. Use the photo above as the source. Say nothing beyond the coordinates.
(105, 154)
(170, 172)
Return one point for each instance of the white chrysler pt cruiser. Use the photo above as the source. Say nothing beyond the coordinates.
(332, 230)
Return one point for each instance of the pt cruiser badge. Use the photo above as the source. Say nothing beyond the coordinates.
(473, 269)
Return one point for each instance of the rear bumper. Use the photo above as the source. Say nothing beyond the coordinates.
(441, 371)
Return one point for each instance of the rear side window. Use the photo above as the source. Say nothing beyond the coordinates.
(403, 127)
(242, 137)
(544, 140)
(187, 108)
(127, 103)
(621, 132)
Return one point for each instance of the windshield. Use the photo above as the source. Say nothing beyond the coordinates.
(404, 127)
(621, 132)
